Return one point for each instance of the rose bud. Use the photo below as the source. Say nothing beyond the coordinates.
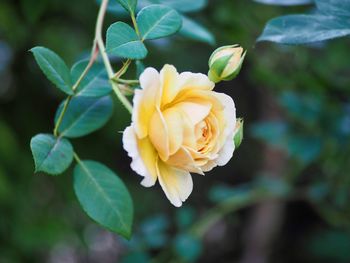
(238, 137)
(225, 63)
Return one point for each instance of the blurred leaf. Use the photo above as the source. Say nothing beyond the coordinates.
(334, 7)
(123, 41)
(302, 106)
(301, 29)
(272, 132)
(54, 68)
(332, 246)
(154, 231)
(95, 83)
(84, 115)
(51, 155)
(188, 247)
(185, 5)
(305, 148)
(285, 2)
(136, 257)
(157, 21)
(195, 31)
(33, 10)
(185, 217)
(104, 197)
(220, 193)
(129, 5)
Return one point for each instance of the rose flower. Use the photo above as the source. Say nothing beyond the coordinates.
(179, 126)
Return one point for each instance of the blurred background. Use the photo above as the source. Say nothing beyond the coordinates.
(284, 196)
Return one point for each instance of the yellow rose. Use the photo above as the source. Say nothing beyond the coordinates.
(179, 126)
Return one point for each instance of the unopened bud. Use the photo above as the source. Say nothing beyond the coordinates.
(225, 63)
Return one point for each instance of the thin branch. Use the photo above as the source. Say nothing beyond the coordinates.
(107, 63)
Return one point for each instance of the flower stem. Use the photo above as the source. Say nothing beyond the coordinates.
(128, 81)
(133, 19)
(77, 158)
(94, 53)
(60, 118)
(107, 63)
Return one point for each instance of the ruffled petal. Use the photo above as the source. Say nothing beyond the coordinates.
(143, 154)
(176, 184)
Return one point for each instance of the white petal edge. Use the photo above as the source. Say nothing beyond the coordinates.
(137, 165)
(226, 152)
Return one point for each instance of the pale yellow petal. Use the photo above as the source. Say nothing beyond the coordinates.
(146, 101)
(182, 159)
(158, 134)
(196, 112)
(194, 81)
(175, 126)
(169, 82)
(176, 184)
(143, 154)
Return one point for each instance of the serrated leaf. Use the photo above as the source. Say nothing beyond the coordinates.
(301, 29)
(104, 197)
(95, 83)
(51, 155)
(285, 2)
(195, 31)
(123, 41)
(129, 5)
(334, 7)
(84, 115)
(157, 21)
(54, 68)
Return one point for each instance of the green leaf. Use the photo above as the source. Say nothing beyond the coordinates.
(285, 2)
(140, 67)
(195, 31)
(95, 83)
(104, 197)
(182, 5)
(129, 5)
(84, 115)
(51, 155)
(188, 247)
(334, 7)
(123, 41)
(157, 21)
(54, 68)
(301, 29)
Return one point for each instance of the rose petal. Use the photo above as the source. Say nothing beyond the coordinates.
(146, 101)
(143, 156)
(176, 184)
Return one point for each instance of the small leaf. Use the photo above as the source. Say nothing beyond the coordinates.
(156, 21)
(54, 68)
(285, 2)
(301, 29)
(129, 5)
(195, 31)
(188, 247)
(104, 197)
(123, 41)
(51, 155)
(334, 7)
(95, 83)
(185, 5)
(84, 115)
